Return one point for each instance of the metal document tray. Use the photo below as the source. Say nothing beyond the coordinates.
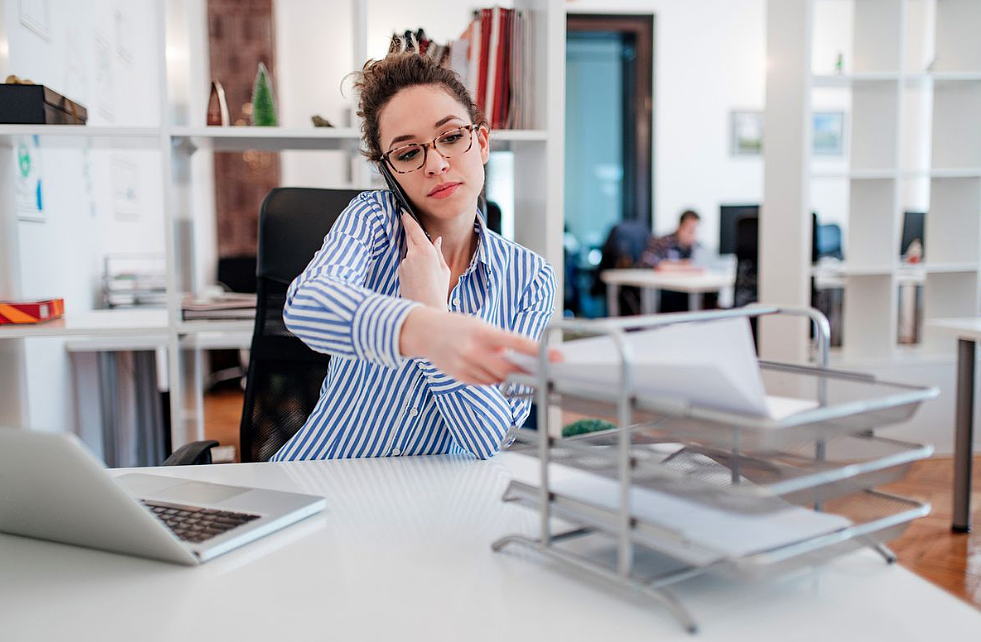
(876, 519)
(746, 481)
(726, 474)
(845, 403)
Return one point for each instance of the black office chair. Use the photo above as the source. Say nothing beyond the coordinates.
(285, 376)
(746, 289)
(622, 249)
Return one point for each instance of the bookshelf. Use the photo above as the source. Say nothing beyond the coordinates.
(911, 90)
(185, 145)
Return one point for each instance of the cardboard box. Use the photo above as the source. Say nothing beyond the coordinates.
(38, 105)
(31, 311)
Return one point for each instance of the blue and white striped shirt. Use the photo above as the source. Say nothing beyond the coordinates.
(373, 402)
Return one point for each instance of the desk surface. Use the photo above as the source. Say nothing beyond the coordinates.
(403, 553)
(963, 328)
(127, 322)
(692, 282)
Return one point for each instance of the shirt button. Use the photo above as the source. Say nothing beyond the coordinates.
(456, 301)
(413, 412)
(395, 452)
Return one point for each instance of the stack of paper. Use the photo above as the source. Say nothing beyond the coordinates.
(720, 533)
(711, 364)
(227, 305)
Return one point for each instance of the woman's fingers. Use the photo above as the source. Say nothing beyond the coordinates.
(413, 231)
(439, 253)
(499, 366)
(503, 340)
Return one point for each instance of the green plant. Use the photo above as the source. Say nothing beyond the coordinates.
(584, 426)
(263, 107)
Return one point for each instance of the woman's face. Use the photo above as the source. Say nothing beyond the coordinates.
(444, 188)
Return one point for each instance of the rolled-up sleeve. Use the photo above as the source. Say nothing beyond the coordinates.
(328, 305)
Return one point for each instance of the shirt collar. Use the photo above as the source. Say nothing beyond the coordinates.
(483, 239)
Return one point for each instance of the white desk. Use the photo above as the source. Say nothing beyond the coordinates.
(111, 323)
(106, 332)
(829, 275)
(651, 281)
(968, 333)
(403, 553)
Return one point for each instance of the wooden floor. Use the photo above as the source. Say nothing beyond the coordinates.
(928, 548)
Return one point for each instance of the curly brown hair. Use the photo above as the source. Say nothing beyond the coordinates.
(379, 81)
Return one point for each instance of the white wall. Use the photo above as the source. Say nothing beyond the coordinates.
(314, 51)
(104, 55)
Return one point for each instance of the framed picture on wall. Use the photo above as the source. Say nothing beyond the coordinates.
(746, 133)
(829, 133)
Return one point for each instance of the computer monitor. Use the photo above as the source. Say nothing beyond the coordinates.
(728, 215)
(913, 228)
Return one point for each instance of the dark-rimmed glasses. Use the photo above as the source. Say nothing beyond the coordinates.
(409, 158)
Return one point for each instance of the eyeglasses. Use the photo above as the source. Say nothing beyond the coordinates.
(409, 158)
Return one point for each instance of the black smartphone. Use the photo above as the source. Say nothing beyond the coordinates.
(400, 196)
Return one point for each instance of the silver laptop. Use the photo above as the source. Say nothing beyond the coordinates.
(52, 488)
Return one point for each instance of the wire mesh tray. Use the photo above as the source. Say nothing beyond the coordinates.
(748, 481)
(875, 517)
(844, 403)
(878, 518)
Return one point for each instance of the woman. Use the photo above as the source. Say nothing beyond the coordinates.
(418, 329)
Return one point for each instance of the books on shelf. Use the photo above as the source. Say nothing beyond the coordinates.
(227, 305)
(491, 57)
(497, 69)
(33, 311)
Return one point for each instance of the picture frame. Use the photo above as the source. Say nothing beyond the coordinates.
(828, 133)
(746, 132)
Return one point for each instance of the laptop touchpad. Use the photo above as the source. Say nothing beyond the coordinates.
(196, 493)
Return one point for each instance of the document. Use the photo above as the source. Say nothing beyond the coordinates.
(717, 532)
(711, 364)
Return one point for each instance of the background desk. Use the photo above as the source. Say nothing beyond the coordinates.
(651, 282)
(403, 553)
(968, 333)
(143, 332)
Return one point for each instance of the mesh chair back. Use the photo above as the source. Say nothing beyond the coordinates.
(747, 260)
(285, 376)
(623, 248)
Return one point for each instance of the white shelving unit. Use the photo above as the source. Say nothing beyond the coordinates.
(185, 144)
(897, 149)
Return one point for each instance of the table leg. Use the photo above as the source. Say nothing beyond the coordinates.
(108, 404)
(694, 301)
(648, 301)
(963, 437)
(612, 300)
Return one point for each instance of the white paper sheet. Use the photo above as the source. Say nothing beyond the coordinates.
(711, 364)
(728, 533)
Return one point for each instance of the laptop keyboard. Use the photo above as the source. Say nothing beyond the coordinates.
(194, 524)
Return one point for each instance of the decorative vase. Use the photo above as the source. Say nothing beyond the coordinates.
(217, 107)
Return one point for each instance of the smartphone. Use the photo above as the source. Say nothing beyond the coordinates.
(400, 196)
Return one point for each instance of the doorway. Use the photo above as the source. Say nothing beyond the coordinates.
(608, 142)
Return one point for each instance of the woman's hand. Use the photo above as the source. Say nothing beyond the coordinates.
(463, 347)
(423, 273)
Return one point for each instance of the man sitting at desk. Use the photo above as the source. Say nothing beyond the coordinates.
(673, 252)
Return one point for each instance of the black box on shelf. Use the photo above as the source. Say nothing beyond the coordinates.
(38, 105)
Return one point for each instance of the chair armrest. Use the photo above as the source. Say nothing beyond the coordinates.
(192, 454)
